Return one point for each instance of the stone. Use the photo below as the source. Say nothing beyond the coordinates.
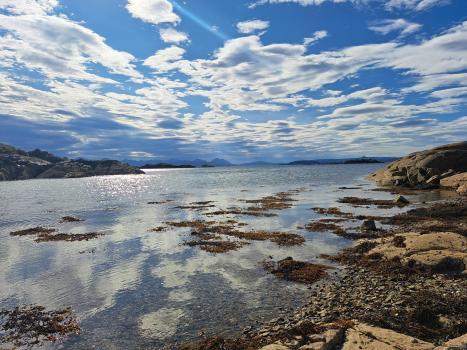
(418, 168)
(369, 225)
(441, 251)
(434, 180)
(462, 190)
(363, 336)
(401, 200)
(459, 343)
(314, 346)
(274, 347)
(454, 181)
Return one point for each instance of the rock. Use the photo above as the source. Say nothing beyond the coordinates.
(462, 190)
(313, 346)
(434, 180)
(274, 347)
(401, 200)
(420, 168)
(440, 251)
(459, 343)
(454, 181)
(448, 173)
(369, 225)
(16, 164)
(363, 336)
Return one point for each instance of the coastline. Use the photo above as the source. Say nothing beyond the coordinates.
(377, 301)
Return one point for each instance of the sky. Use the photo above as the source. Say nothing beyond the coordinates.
(243, 80)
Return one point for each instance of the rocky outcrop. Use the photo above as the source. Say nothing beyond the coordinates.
(438, 251)
(19, 167)
(425, 168)
(360, 336)
(82, 168)
(16, 164)
(457, 182)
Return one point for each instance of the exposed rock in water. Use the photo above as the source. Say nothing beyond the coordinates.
(369, 225)
(425, 168)
(17, 164)
(401, 200)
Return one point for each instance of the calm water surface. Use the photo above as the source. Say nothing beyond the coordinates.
(133, 288)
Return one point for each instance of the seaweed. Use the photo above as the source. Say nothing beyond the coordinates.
(33, 325)
(297, 271)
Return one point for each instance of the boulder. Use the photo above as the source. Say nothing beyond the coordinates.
(440, 251)
(363, 336)
(369, 225)
(425, 168)
(401, 200)
(274, 347)
(462, 190)
(454, 181)
(459, 343)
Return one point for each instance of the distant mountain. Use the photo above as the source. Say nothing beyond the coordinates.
(303, 162)
(217, 162)
(259, 163)
(16, 164)
(361, 160)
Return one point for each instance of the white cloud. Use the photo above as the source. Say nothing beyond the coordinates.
(390, 25)
(318, 35)
(171, 35)
(416, 5)
(248, 27)
(153, 11)
(32, 42)
(28, 7)
(163, 60)
(412, 5)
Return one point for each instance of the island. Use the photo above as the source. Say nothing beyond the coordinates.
(17, 164)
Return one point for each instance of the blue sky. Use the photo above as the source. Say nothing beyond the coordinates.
(274, 80)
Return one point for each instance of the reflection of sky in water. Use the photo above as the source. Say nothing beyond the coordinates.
(143, 289)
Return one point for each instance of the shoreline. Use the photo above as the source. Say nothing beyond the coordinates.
(414, 303)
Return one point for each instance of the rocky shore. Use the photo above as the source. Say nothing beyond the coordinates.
(16, 164)
(401, 287)
(444, 166)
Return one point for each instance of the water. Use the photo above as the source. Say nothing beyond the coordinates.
(133, 288)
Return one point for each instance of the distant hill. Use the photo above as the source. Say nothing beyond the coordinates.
(361, 160)
(16, 164)
(217, 162)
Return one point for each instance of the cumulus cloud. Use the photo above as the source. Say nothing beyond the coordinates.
(400, 25)
(171, 35)
(249, 27)
(312, 96)
(153, 11)
(164, 59)
(28, 7)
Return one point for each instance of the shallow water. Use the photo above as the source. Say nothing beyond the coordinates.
(133, 288)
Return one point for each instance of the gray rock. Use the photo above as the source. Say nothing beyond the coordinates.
(16, 164)
(418, 168)
(434, 180)
(369, 225)
(401, 200)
